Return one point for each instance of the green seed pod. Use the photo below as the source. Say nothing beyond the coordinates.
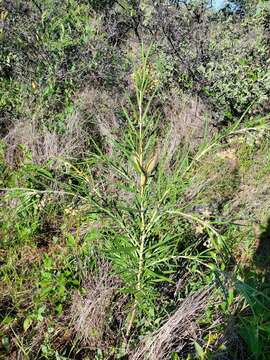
(136, 163)
(152, 163)
(143, 179)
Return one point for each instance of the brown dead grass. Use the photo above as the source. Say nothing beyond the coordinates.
(45, 144)
(94, 116)
(187, 118)
(101, 107)
(90, 311)
(178, 330)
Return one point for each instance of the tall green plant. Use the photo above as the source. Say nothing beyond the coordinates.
(136, 244)
(139, 193)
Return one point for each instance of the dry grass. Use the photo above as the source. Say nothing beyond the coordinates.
(90, 311)
(101, 107)
(45, 144)
(94, 116)
(177, 332)
(187, 118)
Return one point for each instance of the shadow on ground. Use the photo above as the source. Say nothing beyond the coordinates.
(261, 257)
(248, 329)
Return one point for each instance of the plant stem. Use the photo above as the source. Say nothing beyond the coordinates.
(141, 189)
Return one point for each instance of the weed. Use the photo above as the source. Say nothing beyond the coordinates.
(143, 204)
